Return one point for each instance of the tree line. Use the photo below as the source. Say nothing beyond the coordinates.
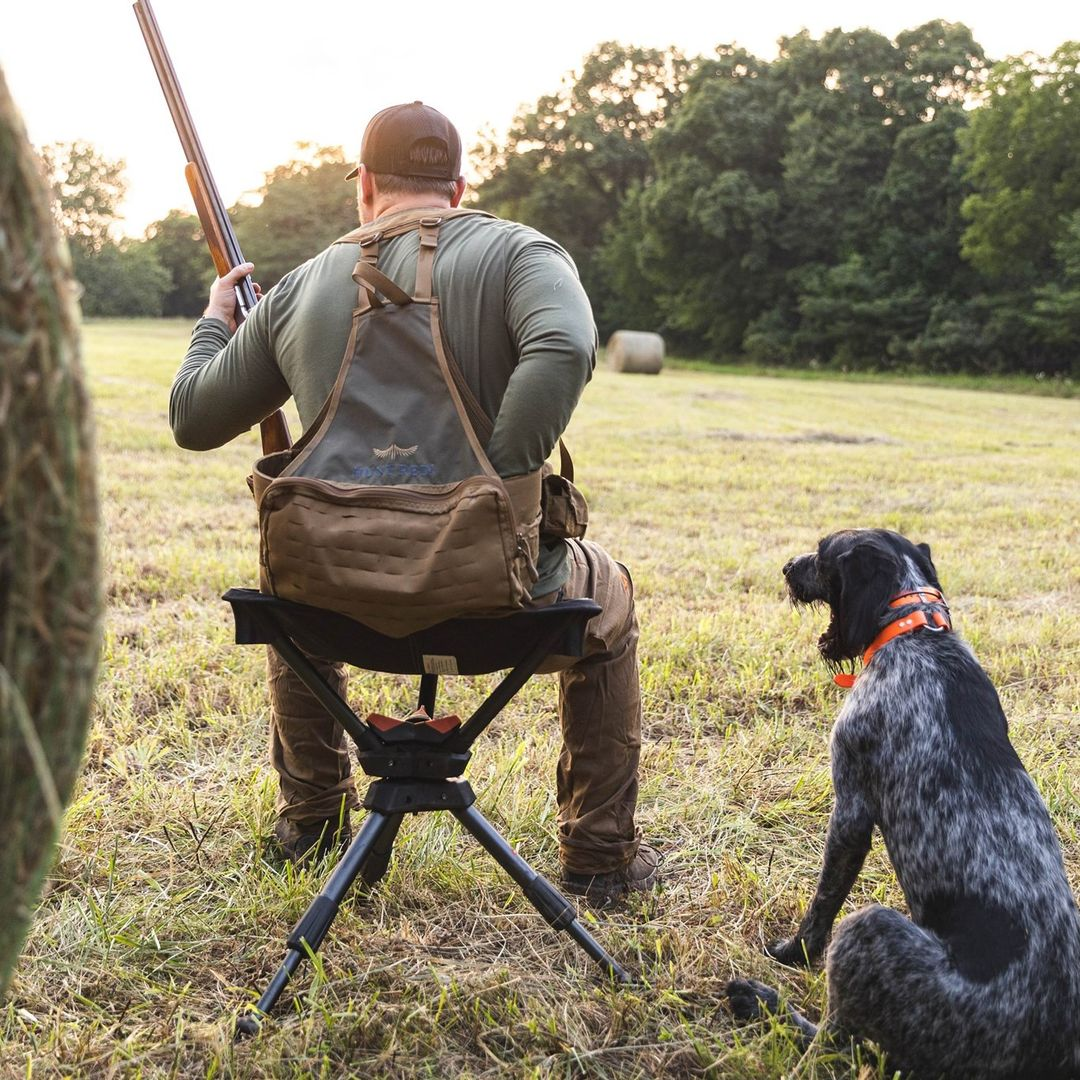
(303, 205)
(857, 202)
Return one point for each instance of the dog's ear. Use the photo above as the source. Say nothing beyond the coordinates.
(924, 550)
(868, 577)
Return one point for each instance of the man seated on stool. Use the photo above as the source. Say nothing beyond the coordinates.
(520, 326)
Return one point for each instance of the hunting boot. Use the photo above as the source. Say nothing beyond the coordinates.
(601, 890)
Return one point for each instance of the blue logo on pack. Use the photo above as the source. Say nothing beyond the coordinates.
(394, 472)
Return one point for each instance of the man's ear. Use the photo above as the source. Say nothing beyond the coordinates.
(367, 185)
(455, 199)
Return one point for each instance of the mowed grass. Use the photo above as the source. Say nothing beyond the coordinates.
(163, 918)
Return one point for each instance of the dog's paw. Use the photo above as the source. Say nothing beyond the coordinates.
(791, 952)
(751, 1000)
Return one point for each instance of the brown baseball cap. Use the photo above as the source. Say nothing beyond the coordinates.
(392, 134)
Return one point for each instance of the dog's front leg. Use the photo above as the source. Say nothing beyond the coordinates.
(846, 845)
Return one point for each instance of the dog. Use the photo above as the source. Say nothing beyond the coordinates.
(984, 979)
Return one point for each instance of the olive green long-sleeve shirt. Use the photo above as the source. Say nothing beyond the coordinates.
(512, 309)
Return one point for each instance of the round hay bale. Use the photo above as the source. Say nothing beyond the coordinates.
(49, 592)
(637, 352)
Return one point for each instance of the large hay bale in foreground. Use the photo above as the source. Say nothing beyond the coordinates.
(637, 352)
(49, 594)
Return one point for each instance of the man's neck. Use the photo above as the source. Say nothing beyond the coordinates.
(395, 204)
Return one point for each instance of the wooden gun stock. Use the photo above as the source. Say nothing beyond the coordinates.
(274, 432)
(215, 241)
(216, 226)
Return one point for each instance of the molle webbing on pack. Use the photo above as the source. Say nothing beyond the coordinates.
(388, 509)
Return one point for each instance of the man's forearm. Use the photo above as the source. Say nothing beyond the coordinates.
(228, 381)
(186, 418)
(220, 391)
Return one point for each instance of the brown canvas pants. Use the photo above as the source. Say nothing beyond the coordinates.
(599, 711)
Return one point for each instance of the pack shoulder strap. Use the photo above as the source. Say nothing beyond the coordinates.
(378, 284)
(425, 220)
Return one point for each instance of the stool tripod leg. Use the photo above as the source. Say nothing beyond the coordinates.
(315, 922)
(556, 909)
(378, 860)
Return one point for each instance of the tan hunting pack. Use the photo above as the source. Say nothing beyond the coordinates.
(410, 524)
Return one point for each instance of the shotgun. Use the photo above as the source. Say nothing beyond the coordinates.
(216, 226)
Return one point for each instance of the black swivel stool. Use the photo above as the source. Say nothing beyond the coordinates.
(417, 763)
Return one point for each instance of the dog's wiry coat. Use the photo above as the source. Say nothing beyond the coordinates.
(984, 979)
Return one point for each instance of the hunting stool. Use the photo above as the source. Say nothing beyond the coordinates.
(417, 762)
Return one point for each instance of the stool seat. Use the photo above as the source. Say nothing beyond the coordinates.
(477, 646)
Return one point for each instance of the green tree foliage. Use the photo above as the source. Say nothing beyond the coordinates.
(567, 165)
(303, 206)
(118, 277)
(87, 191)
(177, 242)
(844, 118)
(1056, 314)
(816, 209)
(708, 219)
(1023, 159)
(871, 191)
(805, 209)
(943, 65)
(121, 279)
(842, 204)
(871, 303)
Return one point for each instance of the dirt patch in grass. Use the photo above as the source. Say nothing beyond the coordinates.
(800, 437)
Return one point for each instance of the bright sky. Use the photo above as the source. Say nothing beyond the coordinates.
(258, 78)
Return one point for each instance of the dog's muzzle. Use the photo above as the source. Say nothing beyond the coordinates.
(803, 580)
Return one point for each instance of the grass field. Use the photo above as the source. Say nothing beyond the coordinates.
(163, 917)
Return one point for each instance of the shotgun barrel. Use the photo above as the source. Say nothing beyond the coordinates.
(216, 226)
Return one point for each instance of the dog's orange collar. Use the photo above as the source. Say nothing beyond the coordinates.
(936, 620)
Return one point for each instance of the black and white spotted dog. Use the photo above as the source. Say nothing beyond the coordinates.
(984, 979)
